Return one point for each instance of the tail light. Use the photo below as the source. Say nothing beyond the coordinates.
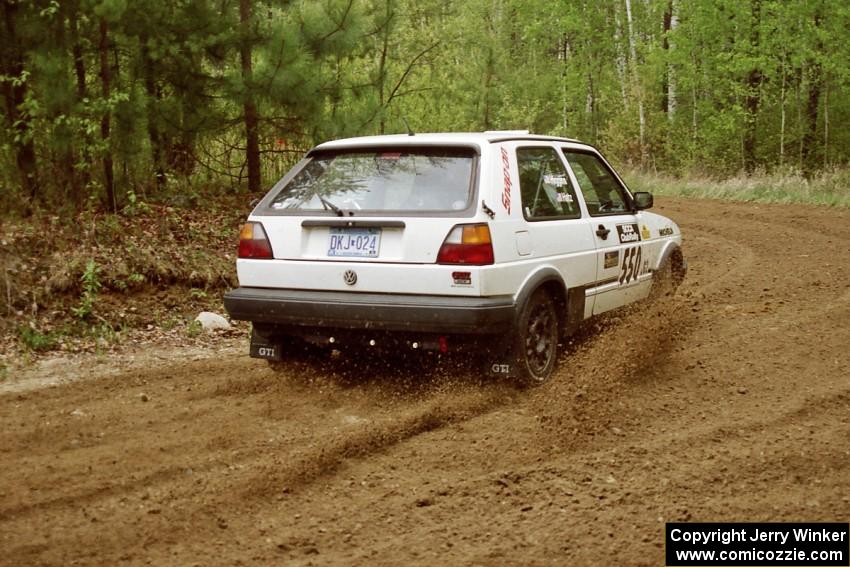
(253, 242)
(467, 244)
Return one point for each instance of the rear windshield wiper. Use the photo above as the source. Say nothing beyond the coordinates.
(330, 206)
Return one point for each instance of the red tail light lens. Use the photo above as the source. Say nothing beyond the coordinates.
(253, 242)
(467, 244)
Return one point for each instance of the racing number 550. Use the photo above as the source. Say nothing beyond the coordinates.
(631, 265)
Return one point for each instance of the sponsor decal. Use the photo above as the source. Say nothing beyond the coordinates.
(564, 198)
(666, 231)
(612, 259)
(506, 174)
(644, 232)
(556, 180)
(628, 233)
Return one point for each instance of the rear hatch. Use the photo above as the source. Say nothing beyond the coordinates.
(383, 212)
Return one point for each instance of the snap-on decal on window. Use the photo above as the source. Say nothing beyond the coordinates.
(555, 180)
(506, 174)
(628, 232)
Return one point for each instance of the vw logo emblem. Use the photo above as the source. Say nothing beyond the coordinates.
(350, 277)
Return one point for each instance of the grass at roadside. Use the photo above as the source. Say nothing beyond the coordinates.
(830, 188)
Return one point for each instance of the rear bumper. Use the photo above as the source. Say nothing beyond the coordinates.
(385, 312)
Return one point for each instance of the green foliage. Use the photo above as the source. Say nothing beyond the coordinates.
(684, 96)
(135, 205)
(104, 333)
(195, 293)
(91, 287)
(194, 329)
(36, 341)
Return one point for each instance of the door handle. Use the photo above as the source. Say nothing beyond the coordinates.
(602, 232)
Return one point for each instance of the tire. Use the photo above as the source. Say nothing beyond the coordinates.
(536, 341)
(662, 281)
(666, 278)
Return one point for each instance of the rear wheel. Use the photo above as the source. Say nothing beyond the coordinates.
(536, 341)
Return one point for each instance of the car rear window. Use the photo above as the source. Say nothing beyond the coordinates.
(381, 179)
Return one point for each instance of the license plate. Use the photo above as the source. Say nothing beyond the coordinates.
(357, 242)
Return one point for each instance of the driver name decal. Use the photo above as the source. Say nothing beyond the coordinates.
(506, 174)
(628, 232)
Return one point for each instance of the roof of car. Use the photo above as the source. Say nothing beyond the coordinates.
(428, 139)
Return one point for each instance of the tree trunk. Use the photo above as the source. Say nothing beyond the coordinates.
(14, 94)
(251, 115)
(489, 71)
(694, 130)
(810, 138)
(668, 99)
(798, 104)
(826, 124)
(590, 107)
(753, 98)
(153, 124)
(382, 66)
(66, 150)
(105, 78)
(636, 83)
(620, 61)
(82, 93)
(782, 98)
(665, 46)
(564, 56)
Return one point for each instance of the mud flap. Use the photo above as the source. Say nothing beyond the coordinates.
(499, 360)
(500, 368)
(261, 347)
(576, 298)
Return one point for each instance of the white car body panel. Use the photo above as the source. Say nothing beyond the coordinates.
(406, 263)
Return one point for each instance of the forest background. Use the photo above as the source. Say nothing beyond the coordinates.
(127, 121)
(107, 102)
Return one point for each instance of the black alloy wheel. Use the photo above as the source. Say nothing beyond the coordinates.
(538, 338)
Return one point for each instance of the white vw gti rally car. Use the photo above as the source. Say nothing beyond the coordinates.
(498, 242)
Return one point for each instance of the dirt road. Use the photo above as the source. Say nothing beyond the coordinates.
(729, 403)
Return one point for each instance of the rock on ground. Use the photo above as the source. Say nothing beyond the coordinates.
(211, 321)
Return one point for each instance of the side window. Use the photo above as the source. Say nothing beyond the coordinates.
(545, 188)
(603, 194)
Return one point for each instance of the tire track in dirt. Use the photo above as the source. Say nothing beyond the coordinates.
(421, 411)
(305, 467)
(263, 468)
